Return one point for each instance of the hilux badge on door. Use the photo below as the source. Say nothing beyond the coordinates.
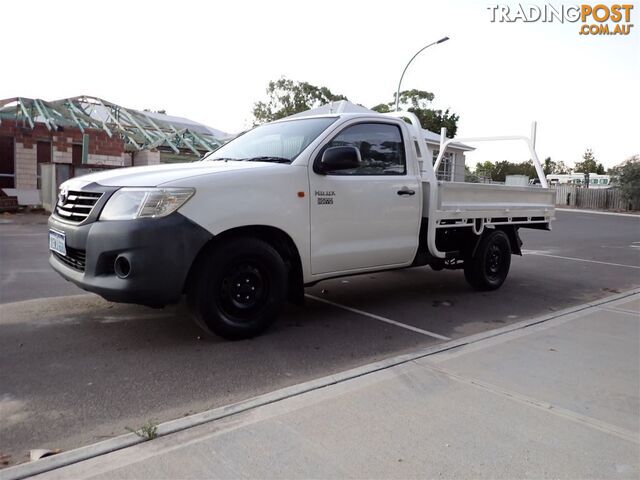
(325, 197)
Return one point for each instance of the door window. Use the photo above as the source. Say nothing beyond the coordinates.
(381, 149)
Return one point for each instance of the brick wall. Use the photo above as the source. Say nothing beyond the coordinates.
(62, 156)
(146, 157)
(100, 145)
(26, 166)
(112, 160)
(103, 150)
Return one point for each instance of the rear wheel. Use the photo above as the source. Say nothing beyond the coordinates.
(239, 288)
(488, 268)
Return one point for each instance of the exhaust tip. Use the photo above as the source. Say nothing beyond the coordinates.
(122, 266)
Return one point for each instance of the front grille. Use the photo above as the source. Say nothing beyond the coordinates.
(75, 258)
(77, 206)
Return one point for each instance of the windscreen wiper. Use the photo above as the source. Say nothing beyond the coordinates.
(267, 159)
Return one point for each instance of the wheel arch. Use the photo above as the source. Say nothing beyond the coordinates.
(277, 238)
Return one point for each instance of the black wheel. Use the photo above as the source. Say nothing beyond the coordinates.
(488, 269)
(238, 289)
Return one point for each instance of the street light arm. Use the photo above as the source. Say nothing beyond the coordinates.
(443, 39)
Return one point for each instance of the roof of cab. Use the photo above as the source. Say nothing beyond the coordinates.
(347, 107)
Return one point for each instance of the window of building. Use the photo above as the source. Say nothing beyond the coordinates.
(76, 154)
(7, 163)
(381, 149)
(447, 166)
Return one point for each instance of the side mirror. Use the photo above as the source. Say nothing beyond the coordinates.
(339, 158)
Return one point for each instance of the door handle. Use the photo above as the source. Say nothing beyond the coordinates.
(406, 191)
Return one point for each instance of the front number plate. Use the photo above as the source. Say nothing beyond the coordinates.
(57, 242)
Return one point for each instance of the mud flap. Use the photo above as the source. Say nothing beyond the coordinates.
(514, 239)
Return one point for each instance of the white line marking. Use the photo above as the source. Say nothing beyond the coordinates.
(378, 317)
(533, 252)
(596, 212)
(621, 310)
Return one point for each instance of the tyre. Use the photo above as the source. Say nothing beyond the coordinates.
(238, 288)
(488, 269)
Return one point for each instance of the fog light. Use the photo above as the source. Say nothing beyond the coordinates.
(122, 267)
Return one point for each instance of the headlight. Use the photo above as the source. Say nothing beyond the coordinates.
(130, 203)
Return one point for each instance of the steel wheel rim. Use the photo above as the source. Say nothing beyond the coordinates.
(494, 261)
(244, 289)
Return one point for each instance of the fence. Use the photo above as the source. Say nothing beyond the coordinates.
(596, 198)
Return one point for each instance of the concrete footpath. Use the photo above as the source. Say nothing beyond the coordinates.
(553, 397)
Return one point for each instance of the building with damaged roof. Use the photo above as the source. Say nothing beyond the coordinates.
(89, 133)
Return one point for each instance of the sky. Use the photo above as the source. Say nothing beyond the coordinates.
(210, 61)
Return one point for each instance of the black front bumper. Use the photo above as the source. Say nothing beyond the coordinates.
(160, 252)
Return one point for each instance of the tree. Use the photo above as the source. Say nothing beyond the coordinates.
(469, 176)
(627, 175)
(589, 164)
(484, 169)
(484, 166)
(504, 168)
(418, 102)
(287, 97)
(498, 171)
(554, 168)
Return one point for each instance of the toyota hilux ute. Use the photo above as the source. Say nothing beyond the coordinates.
(284, 206)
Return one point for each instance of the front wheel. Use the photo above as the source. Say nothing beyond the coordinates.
(239, 289)
(488, 268)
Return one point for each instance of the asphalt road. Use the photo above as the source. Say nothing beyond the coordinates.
(75, 369)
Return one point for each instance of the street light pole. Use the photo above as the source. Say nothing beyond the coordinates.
(443, 39)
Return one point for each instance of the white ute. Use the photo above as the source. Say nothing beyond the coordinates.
(281, 207)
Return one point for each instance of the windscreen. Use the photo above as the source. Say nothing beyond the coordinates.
(278, 142)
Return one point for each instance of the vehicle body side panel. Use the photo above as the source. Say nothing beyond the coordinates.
(502, 199)
(267, 196)
(364, 223)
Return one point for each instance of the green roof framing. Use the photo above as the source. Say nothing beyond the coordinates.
(139, 130)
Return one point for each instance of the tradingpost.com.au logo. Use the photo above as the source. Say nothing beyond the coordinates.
(597, 19)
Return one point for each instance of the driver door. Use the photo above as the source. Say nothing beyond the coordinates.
(368, 216)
